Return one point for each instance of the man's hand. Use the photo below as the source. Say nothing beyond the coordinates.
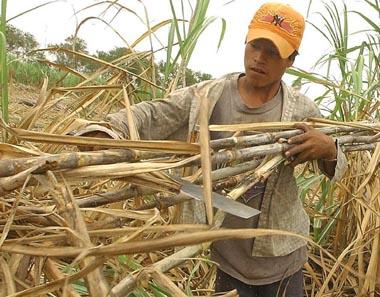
(311, 145)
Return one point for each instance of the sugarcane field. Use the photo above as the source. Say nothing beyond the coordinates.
(190, 148)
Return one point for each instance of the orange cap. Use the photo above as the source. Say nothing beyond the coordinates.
(279, 23)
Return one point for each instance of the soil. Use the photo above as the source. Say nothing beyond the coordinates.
(22, 99)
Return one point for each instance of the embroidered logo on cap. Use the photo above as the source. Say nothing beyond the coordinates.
(279, 21)
(292, 27)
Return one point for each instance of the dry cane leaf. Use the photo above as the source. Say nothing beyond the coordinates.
(205, 156)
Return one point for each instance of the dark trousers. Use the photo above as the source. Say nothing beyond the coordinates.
(291, 286)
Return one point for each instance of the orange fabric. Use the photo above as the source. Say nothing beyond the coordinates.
(279, 23)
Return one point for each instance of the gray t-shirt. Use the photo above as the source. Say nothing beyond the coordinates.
(234, 256)
(230, 109)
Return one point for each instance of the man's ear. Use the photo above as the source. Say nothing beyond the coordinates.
(292, 57)
(289, 62)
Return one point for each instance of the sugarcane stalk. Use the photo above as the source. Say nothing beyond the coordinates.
(348, 142)
(222, 173)
(10, 183)
(70, 160)
(358, 139)
(358, 147)
(271, 137)
(229, 182)
(112, 197)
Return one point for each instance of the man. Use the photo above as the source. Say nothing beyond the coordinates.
(265, 266)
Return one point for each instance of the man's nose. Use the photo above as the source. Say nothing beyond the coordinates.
(259, 54)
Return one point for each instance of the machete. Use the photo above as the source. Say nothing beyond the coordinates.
(219, 201)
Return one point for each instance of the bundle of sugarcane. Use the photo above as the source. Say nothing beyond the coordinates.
(46, 222)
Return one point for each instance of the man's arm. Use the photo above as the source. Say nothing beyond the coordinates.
(156, 119)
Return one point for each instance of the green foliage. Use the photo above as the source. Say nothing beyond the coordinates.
(324, 209)
(351, 78)
(80, 287)
(191, 77)
(122, 57)
(33, 73)
(4, 66)
(305, 183)
(73, 43)
(20, 43)
(158, 291)
(187, 37)
(113, 54)
(129, 262)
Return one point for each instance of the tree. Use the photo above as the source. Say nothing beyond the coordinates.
(191, 77)
(71, 60)
(20, 43)
(109, 56)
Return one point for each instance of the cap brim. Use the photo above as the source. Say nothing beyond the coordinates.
(284, 48)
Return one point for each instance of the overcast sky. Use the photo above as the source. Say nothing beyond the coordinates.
(54, 22)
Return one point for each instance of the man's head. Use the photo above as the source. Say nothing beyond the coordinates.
(279, 23)
(272, 42)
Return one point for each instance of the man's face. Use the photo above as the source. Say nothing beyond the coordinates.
(263, 63)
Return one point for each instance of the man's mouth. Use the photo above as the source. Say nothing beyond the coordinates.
(258, 70)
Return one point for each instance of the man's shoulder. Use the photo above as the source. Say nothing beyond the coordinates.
(220, 80)
(230, 76)
(212, 86)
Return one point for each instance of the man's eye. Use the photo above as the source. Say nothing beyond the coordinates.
(273, 53)
(254, 45)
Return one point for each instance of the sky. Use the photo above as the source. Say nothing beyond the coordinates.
(54, 22)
